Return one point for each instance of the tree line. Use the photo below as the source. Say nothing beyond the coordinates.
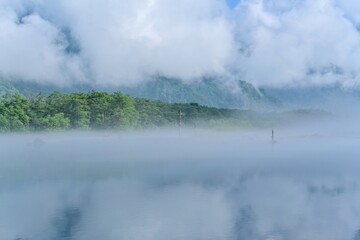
(99, 110)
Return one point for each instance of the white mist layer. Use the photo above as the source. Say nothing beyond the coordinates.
(199, 185)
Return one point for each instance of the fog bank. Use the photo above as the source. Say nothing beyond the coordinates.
(197, 185)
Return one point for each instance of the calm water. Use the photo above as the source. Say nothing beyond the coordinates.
(160, 186)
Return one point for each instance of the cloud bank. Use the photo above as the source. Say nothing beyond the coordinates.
(300, 41)
(113, 42)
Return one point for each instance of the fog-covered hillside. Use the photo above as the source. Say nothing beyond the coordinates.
(332, 97)
(209, 92)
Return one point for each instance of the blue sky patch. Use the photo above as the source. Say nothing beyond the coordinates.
(232, 3)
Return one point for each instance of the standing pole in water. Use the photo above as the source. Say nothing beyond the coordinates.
(180, 121)
(272, 140)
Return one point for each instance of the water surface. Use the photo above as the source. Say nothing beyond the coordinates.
(199, 185)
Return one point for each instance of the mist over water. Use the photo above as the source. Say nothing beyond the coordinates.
(197, 185)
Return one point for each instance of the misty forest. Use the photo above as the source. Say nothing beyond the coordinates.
(179, 120)
(101, 110)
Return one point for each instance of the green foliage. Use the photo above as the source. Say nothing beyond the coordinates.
(102, 110)
(122, 111)
(14, 113)
(55, 122)
(93, 110)
(77, 109)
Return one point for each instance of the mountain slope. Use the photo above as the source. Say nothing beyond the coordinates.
(330, 97)
(209, 92)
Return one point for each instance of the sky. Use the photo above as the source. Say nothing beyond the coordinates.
(232, 3)
(117, 42)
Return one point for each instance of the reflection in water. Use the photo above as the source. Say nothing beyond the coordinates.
(67, 223)
(162, 186)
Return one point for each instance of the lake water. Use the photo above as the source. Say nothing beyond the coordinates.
(199, 185)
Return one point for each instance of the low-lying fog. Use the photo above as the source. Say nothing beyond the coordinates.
(197, 185)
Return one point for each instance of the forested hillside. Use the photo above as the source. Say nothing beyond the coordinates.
(102, 110)
(210, 92)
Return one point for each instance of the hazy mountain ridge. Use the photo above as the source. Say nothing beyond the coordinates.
(6, 88)
(209, 92)
(325, 97)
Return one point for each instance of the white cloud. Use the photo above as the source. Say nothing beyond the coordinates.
(124, 42)
(286, 45)
(33, 50)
